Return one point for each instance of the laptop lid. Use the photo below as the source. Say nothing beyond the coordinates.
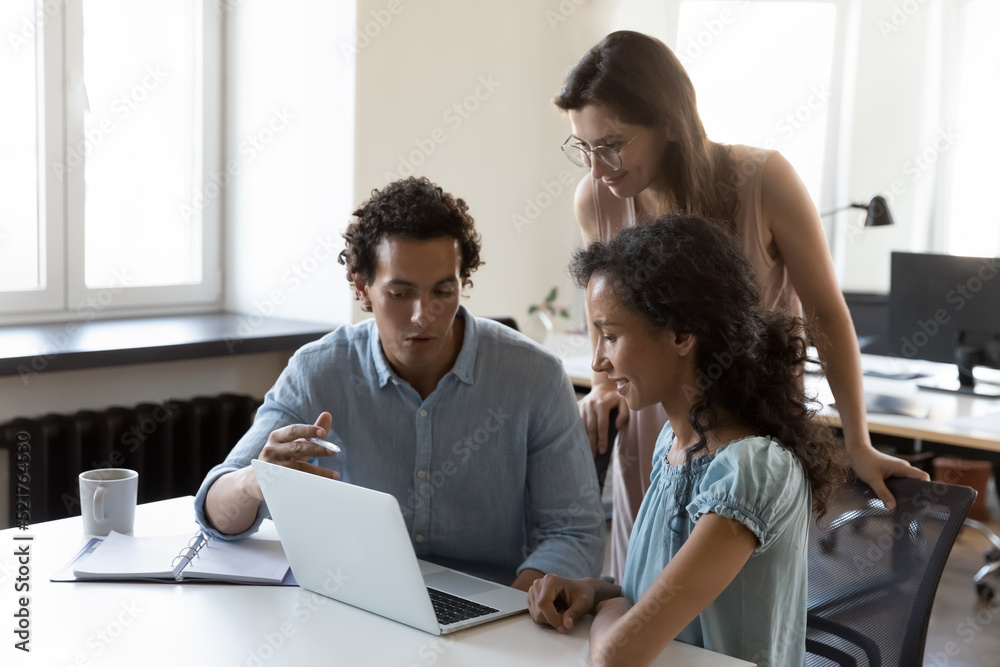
(351, 544)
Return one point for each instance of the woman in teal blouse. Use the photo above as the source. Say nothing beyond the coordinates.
(717, 556)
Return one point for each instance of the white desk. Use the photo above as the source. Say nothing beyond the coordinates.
(947, 420)
(205, 624)
(939, 426)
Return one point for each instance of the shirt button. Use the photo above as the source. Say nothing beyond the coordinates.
(423, 413)
(420, 538)
(421, 474)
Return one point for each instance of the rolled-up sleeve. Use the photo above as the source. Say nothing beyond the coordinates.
(273, 414)
(566, 518)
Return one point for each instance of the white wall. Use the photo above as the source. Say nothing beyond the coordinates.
(99, 388)
(500, 151)
(289, 120)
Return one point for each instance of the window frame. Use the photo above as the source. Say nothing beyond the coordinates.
(64, 295)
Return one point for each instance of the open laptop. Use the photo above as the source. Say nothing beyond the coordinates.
(351, 544)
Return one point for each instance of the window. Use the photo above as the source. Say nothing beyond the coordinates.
(971, 224)
(749, 90)
(113, 212)
(19, 230)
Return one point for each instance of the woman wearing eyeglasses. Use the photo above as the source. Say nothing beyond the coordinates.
(635, 126)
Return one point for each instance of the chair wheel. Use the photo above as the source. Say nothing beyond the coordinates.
(987, 592)
(992, 556)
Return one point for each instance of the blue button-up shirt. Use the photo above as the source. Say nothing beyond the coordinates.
(492, 470)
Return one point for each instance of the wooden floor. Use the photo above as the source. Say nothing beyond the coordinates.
(965, 632)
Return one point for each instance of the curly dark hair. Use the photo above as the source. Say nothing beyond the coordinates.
(415, 209)
(688, 274)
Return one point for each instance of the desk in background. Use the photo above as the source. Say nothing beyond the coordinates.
(953, 420)
(132, 624)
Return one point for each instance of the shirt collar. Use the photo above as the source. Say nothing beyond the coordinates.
(464, 364)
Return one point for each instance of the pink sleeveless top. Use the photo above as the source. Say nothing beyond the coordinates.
(748, 166)
(632, 463)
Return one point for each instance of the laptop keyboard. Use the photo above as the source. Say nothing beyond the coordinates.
(452, 609)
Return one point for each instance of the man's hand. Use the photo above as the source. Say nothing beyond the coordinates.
(562, 602)
(233, 499)
(595, 408)
(287, 447)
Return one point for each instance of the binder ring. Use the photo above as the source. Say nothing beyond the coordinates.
(201, 539)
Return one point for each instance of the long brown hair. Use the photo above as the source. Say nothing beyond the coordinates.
(641, 80)
(684, 274)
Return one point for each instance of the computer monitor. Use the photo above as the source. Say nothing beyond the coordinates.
(946, 308)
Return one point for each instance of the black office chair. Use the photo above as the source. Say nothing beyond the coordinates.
(873, 572)
(508, 321)
(603, 461)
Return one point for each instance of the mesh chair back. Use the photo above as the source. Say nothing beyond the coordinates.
(873, 572)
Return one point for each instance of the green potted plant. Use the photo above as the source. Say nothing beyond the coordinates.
(548, 309)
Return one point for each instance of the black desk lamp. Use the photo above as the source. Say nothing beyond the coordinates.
(878, 212)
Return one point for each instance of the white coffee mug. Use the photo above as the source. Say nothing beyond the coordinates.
(107, 500)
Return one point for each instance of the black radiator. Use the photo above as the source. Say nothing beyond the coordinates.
(172, 445)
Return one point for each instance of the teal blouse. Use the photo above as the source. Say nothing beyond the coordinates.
(761, 615)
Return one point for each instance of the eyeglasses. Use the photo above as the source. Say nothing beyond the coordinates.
(609, 155)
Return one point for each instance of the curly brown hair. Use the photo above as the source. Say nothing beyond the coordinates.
(415, 209)
(688, 274)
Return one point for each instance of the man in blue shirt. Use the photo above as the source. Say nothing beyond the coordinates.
(470, 425)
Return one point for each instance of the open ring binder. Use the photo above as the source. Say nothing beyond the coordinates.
(179, 558)
(188, 553)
